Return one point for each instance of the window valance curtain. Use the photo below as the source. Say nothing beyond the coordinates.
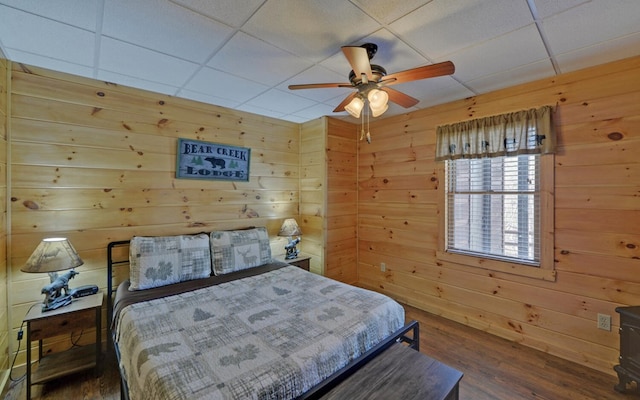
(523, 132)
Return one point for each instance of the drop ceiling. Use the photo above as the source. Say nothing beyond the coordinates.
(242, 54)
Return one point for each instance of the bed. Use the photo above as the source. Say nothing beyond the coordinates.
(250, 327)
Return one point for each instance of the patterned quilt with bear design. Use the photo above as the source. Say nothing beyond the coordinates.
(270, 336)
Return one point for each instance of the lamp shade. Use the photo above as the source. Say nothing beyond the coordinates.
(51, 255)
(378, 102)
(376, 112)
(377, 98)
(354, 107)
(290, 228)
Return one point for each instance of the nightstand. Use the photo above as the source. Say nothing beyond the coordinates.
(629, 368)
(83, 313)
(301, 261)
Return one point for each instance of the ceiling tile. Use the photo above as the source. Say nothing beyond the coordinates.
(601, 53)
(137, 62)
(261, 111)
(205, 98)
(505, 52)
(445, 26)
(80, 13)
(45, 37)
(230, 12)
(310, 29)
(138, 83)
(314, 112)
(592, 23)
(547, 8)
(52, 64)
(280, 101)
(259, 61)
(223, 85)
(388, 11)
(164, 27)
(502, 79)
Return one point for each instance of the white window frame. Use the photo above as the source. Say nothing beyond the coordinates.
(546, 268)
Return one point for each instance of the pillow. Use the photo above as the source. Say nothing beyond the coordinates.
(240, 249)
(163, 260)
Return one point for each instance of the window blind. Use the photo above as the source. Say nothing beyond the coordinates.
(493, 207)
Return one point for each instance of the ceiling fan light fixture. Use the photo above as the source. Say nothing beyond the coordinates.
(371, 82)
(354, 107)
(378, 102)
(378, 111)
(377, 98)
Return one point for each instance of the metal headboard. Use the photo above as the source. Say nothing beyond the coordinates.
(111, 263)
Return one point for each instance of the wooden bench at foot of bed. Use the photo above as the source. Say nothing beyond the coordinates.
(400, 373)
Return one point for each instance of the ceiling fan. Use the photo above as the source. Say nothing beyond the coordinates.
(372, 81)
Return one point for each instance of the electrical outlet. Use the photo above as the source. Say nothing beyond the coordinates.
(383, 267)
(604, 322)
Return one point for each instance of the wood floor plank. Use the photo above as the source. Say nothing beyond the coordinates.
(494, 369)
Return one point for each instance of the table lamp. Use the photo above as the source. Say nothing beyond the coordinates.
(290, 228)
(53, 255)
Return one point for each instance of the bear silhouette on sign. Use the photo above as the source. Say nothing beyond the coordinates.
(216, 162)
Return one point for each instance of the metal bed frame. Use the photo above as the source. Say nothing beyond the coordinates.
(408, 334)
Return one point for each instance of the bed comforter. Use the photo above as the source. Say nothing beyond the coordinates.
(269, 336)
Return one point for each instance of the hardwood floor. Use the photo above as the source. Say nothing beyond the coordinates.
(496, 368)
(493, 369)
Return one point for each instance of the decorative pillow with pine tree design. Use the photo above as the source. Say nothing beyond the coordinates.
(163, 260)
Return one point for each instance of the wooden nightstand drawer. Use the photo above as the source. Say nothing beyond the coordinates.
(61, 324)
(301, 261)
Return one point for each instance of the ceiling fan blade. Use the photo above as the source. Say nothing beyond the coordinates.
(400, 98)
(414, 74)
(319, 85)
(359, 60)
(344, 102)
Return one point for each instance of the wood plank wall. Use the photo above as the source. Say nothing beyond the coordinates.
(328, 197)
(313, 180)
(4, 318)
(597, 210)
(342, 206)
(95, 162)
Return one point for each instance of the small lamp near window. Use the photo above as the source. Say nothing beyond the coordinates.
(53, 255)
(290, 228)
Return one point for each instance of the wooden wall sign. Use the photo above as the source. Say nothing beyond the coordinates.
(203, 160)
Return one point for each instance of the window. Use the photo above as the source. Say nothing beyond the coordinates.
(496, 205)
(493, 208)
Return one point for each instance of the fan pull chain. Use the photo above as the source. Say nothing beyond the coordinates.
(368, 133)
(362, 126)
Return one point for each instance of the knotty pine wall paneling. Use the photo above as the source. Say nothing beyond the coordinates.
(342, 206)
(95, 162)
(328, 193)
(313, 181)
(597, 209)
(4, 315)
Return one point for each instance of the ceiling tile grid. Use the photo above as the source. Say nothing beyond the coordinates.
(167, 28)
(243, 54)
